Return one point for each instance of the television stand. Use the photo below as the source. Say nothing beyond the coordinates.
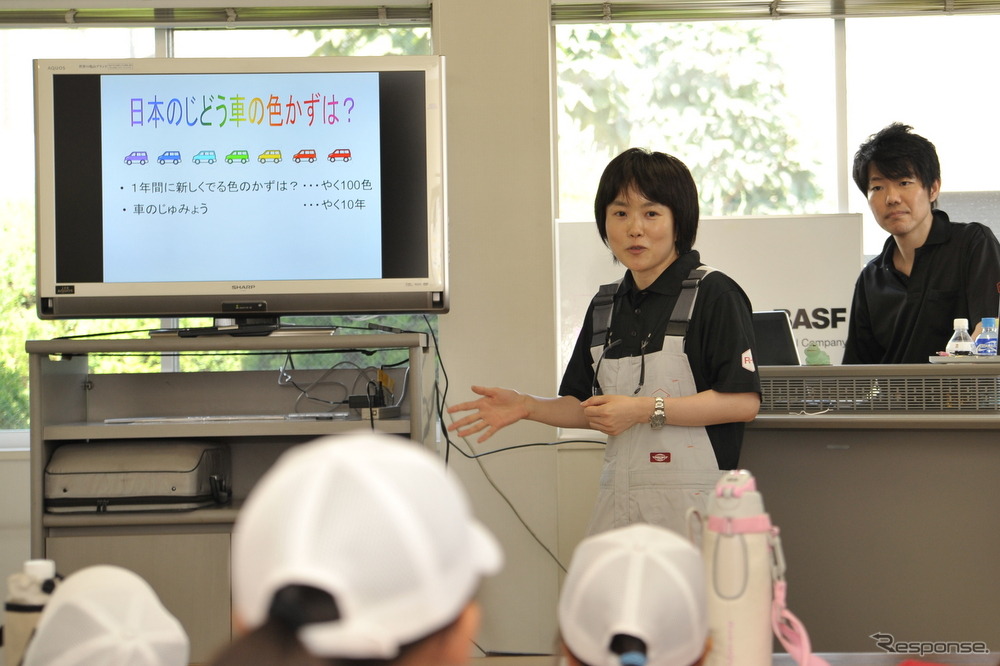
(185, 556)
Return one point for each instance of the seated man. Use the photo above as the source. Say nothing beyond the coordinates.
(635, 596)
(931, 270)
(357, 548)
(106, 615)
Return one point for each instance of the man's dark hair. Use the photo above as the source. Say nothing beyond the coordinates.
(897, 153)
(658, 177)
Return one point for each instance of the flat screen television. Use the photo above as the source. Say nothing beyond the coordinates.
(240, 188)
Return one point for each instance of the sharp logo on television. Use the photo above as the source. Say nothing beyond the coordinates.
(244, 287)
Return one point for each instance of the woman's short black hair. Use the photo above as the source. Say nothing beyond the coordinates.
(658, 177)
(897, 153)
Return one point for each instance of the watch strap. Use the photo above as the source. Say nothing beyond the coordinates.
(659, 416)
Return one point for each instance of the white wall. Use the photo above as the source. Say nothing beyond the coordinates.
(14, 503)
(501, 328)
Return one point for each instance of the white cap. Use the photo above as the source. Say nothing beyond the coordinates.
(106, 615)
(376, 522)
(961, 322)
(642, 581)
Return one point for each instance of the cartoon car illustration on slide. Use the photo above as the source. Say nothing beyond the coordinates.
(204, 156)
(170, 156)
(340, 154)
(139, 156)
(270, 156)
(241, 156)
(305, 154)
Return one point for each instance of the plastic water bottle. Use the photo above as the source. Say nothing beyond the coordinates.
(961, 342)
(986, 341)
(27, 592)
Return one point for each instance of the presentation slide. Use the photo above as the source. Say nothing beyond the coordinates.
(234, 177)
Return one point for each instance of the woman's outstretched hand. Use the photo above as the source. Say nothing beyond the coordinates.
(496, 409)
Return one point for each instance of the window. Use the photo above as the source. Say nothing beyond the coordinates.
(18, 47)
(942, 88)
(752, 108)
(751, 105)
(748, 106)
(17, 307)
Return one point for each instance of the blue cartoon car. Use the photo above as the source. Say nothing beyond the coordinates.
(170, 156)
(204, 156)
(139, 156)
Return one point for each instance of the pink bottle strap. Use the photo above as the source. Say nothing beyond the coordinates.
(790, 631)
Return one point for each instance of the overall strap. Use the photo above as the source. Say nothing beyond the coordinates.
(681, 315)
(603, 305)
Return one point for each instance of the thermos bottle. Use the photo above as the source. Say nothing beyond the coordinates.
(738, 572)
(27, 592)
(745, 573)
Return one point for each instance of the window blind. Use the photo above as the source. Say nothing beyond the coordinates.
(568, 11)
(206, 16)
(419, 13)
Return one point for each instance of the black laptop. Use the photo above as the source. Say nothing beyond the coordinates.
(775, 342)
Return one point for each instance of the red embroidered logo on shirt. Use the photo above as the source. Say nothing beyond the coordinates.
(659, 457)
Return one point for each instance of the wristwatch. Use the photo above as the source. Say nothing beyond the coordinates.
(659, 417)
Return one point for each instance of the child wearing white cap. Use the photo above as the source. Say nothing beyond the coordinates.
(634, 596)
(357, 547)
(106, 616)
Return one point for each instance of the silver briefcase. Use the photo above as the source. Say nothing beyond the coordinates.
(137, 475)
